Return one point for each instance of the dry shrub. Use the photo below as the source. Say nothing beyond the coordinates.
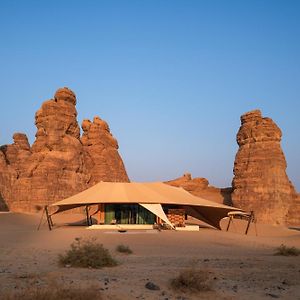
(54, 293)
(87, 253)
(192, 280)
(283, 250)
(123, 249)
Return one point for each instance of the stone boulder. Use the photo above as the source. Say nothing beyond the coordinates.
(260, 181)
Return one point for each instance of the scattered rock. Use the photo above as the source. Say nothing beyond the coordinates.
(272, 295)
(151, 286)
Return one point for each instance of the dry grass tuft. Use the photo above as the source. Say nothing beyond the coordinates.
(123, 249)
(54, 293)
(87, 253)
(192, 280)
(283, 250)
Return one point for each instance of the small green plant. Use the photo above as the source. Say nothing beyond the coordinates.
(283, 250)
(192, 280)
(87, 253)
(123, 249)
(54, 293)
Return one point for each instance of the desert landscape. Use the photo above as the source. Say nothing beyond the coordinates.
(149, 150)
(230, 265)
(238, 266)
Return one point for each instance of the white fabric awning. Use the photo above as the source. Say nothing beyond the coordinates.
(157, 210)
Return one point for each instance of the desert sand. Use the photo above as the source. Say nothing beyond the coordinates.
(241, 267)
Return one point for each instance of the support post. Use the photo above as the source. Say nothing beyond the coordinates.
(48, 217)
(87, 215)
(249, 221)
(41, 219)
(229, 222)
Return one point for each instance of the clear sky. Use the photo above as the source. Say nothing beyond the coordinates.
(170, 77)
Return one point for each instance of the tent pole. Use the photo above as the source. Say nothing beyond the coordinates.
(229, 222)
(249, 221)
(48, 218)
(87, 215)
(51, 221)
(41, 219)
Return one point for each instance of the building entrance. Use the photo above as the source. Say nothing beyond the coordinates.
(128, 214)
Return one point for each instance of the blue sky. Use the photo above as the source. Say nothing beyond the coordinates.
(170, 77)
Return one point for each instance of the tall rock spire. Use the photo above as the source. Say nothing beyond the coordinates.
(260, 181)
(57, 165)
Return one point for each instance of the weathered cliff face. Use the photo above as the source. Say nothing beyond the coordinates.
(57, 165)
(260, 181)
(200, 187)
(102, 148)
(6, 176)
(293, 216)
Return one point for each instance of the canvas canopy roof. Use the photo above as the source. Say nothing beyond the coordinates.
(147, 194)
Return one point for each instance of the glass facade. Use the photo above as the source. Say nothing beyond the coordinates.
(128, 214)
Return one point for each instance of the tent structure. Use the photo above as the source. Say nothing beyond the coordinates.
(153, 196)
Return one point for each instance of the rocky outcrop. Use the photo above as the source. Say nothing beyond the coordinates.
(293, 215)
(101, 147)
(200, 187)
(5, 180)
(260, 181)
(59, 164)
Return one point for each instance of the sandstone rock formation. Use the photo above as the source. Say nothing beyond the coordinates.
(102, 149)
(260, 181)
(200, 187)
(293, 215)
(59, 164)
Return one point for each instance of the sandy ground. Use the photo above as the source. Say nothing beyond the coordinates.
(241, 267)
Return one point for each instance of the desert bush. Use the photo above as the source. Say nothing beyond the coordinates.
(283, 250)
(87, 253)
(54, 293)
(123, 249)
(192, 280)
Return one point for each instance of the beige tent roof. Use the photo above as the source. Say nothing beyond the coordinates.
(148, 193)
